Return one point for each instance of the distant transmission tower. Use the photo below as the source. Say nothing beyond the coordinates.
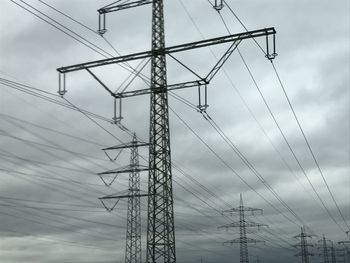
(243, 224)
(324, 249)
(341, 255)
(346, 245)
(304, 246)
(333, 254)
(133, 228)
(161, 226)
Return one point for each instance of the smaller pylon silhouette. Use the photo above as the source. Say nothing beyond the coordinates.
(341, 255)
(304, 246)
(346, 246)
(333, 254)
(243, 224)
(324, 249)
(133, 228)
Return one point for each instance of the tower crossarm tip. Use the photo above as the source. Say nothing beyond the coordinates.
(172, 49)
(118, 6)
(245, 224)
(126, 169)
(126, 145)
(244, 240)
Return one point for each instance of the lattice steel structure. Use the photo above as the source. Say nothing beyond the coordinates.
(346, 247)
(304, 246)
(333, 254)
(243, 224)
(324, 249)
(133, 226)
(161, 227)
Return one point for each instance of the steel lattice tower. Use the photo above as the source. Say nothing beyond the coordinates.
(133, 227)
(324, 249)
(160, 232)
(304, 246)
(333, 255)
(243, 224)
(160, 226)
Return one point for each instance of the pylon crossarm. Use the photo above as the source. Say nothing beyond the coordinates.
(222, 61)
(245, 224)
(177, 86)
(244, 209)
(126, 169)
(246, 240)
(299, 245)
(172, 49)
(109, 197)
(117, 6)
(300, 254)
(126, 145)
(303, 236)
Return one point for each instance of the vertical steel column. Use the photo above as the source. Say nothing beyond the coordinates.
(325, 250)
(243, 234)
(304, 247)
(160, 227)
(133, 232)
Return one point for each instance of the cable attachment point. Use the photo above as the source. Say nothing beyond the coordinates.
(273, 55)
(218, 5)
(202, 97)
(101, 23)
(62, 84)
(117, 111)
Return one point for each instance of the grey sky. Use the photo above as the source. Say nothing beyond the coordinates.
(40, 157)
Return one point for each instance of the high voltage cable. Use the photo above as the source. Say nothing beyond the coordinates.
(29, 90)
(72, 34)
(240, 155)
(308, 145)
(52, 130)
(230, 168)
(300, 128)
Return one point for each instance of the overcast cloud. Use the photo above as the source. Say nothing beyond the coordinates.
(49, 155)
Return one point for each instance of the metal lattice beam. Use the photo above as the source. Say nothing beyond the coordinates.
(160, 227)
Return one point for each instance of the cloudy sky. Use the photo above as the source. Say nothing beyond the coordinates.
(50, 154)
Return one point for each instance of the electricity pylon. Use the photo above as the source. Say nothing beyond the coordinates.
(341, 255)
(133, 227)
(304, 246)
(243, 224)
(333, 254)
(324, 248)
(160, 225)
(346, 245)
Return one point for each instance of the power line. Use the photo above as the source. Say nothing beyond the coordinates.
(283, 135)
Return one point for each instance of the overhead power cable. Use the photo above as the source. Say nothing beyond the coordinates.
(300, 128)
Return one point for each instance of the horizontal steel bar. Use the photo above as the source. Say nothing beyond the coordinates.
(126, 169)
(122, 196)
(114, 8)
(126, 145)
(177, 86)
(173, 49)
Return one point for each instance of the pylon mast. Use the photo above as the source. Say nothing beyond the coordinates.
(243, 224)
(304, 246)
(133, 226)
(325, 249)
(160, 226)
(133, 229)
(333, 254)
(161, 230)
